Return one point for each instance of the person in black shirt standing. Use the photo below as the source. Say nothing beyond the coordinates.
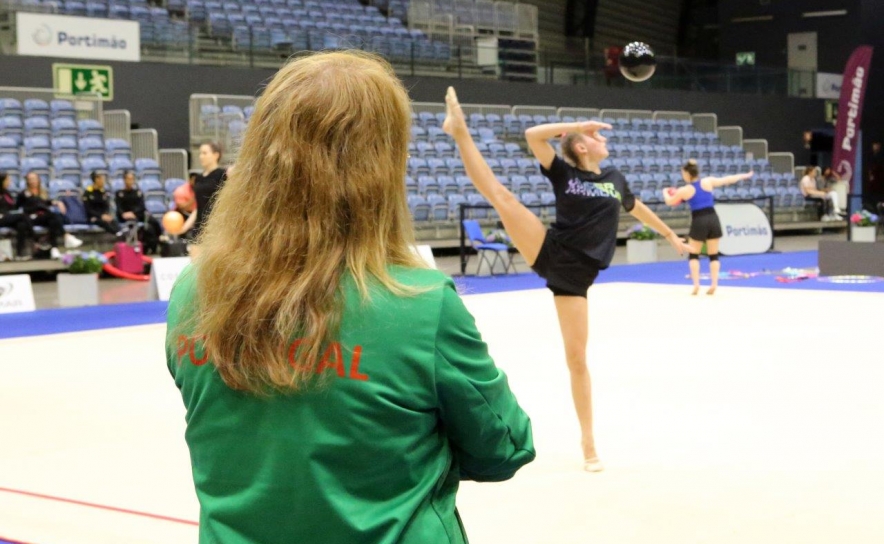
(205, 187)
(13, 219)
(43, 212)
(131, 209)
(98, 205)
(581, 242)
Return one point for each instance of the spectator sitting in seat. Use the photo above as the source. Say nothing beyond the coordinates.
(130, 209)
(827, 200)
(35, 203)
(830, 178)
(12, 218)
(98, 205)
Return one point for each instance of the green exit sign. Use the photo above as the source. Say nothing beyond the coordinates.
(746, 58)
(83, 79)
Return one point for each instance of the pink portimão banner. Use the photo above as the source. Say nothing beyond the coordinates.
(850, 109)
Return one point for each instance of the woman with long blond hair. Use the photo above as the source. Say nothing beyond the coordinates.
(569, 254)
(336, 389)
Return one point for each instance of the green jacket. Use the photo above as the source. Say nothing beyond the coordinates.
(373, 457)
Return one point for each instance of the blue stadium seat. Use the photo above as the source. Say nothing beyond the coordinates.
(38, 165)
(466, 185)
(427, 185)
(10, 107)
(118, 165)
(438, 207)
(37, 126)
(548, 199)
(410, 185)
(420, 209)
(117, 147)
(91, 164)
(38, 147)
(90, 128)
(455, 166)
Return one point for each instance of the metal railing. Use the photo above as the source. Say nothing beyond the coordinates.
(118, 124)
(145, 144)
(173, 163)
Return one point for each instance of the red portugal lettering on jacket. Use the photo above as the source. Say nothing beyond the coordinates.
(334, 350)
(293, 355)
(182, 345)
(354, 365)
(192, 353)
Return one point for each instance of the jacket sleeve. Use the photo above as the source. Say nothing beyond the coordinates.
(118, 204)
(488, 431)
(139, 210)
(93, 207)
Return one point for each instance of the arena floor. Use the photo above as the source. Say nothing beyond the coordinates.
(750, 417)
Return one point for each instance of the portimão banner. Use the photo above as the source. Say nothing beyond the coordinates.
(850, 109)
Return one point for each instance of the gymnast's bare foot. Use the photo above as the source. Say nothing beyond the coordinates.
(711, 291)
(696, 290)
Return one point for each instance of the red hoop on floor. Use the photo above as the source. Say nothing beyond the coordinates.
(117, 273)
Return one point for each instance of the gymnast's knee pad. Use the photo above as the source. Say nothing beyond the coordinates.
(713, 257)
(694, 256)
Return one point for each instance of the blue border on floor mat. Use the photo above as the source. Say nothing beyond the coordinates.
(59, 320)
(54, 321)
(675, 273)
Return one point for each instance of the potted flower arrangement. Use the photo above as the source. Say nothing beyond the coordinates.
(79, 285)
(641, 245)
(498, 236)
(862, 226)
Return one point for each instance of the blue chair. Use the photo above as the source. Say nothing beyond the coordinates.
(500, 252)
(548, 199)
(34, 107)
(68, 169)
(36, 165)
(38, 146)
(521, 185)
(447, 186)
(455, 167)
(117, 147)
(10, 107)
(533, 202)
(62, 109)
(90, 128)
(420, 209)
(118, 165)
(93, 164)
(172, 184)
(410, 186)
(37, 126)
(427, 185)
(9, 147)
(475, 199)
(454, 202)
(438, 207)
(465, 186)
(155, 207)
(148, 169)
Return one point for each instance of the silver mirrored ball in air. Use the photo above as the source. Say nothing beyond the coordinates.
(637, 62)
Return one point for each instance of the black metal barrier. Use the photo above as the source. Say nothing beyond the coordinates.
(463, 207)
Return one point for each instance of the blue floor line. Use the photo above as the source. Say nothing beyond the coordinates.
(763, 268)
(59, 320)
